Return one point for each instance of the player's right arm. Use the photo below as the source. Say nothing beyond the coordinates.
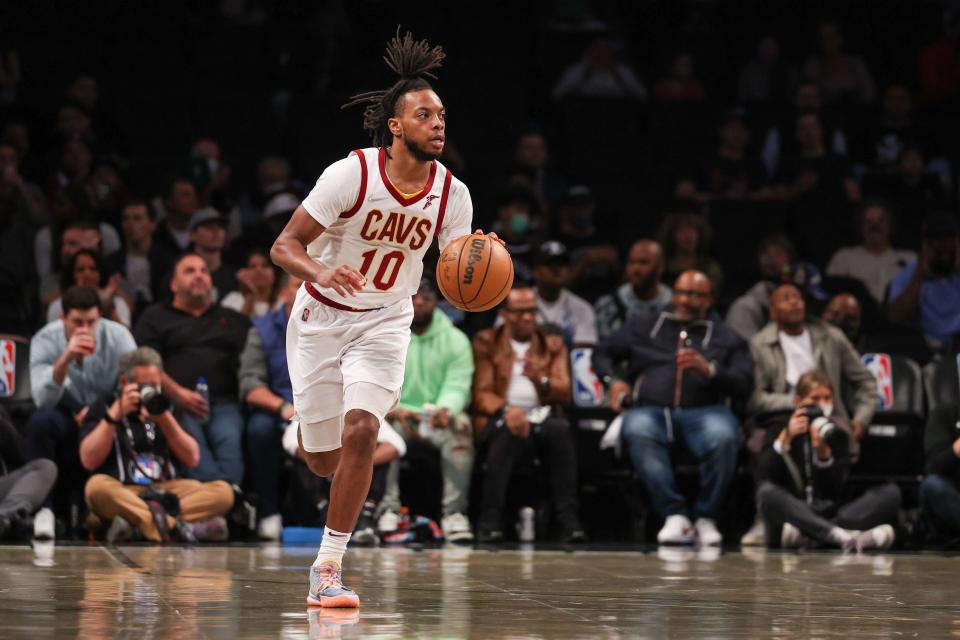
(339, 189)
(289, 252)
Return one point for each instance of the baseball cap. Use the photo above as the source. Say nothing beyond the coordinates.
(578, 194)
(206, 214)
(281, 204)
(807, 278)
(552, 253)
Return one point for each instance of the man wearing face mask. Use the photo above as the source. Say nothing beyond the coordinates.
(928, 291)
(517, 224)
(682, 364)
(844, 312)
(801, 472)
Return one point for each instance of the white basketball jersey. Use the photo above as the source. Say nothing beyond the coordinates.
(383, 233)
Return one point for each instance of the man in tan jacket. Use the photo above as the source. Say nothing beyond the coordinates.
(791, 345)
(520, 371)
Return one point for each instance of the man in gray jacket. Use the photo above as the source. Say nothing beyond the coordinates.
(790, 345)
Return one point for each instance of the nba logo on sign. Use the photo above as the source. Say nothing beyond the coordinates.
(8, 359)
(880, 366)
(587, 388)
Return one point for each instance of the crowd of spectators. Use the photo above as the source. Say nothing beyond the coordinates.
(743, 284)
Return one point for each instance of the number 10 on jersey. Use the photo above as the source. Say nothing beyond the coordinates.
(388, 270)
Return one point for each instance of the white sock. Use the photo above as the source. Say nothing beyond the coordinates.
(332, 547)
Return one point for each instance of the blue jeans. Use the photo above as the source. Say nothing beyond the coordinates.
(220, 439)
(264, 434)
(940, 501)
(710, 433)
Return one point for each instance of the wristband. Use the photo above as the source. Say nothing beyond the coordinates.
(283, 406)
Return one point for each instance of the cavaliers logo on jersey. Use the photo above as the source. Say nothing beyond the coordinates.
(305, 315)
(430, 200)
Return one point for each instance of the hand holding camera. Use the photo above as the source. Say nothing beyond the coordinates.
(142, 401)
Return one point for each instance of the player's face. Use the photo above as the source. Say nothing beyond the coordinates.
(421, 124)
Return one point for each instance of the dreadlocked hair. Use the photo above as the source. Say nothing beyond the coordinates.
(414, 62)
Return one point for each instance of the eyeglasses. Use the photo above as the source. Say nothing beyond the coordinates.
(691, 293)
(521, 311)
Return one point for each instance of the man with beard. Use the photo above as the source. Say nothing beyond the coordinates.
(358, 241)
(682, 365)
(928, 291)
(641, 293)
(437, 377)
(200, 342)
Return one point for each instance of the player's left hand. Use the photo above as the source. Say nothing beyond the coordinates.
(493, 236)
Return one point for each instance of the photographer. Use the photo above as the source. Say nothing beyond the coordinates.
(801, 473)
(133, 446)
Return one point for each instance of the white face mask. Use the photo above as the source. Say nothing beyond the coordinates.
(827, 409)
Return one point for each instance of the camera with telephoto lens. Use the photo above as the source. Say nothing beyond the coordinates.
(819, 422)
(153, 400)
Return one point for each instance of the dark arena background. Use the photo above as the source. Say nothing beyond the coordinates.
(721, 399)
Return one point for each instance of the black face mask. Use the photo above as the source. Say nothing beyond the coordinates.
(846, 325)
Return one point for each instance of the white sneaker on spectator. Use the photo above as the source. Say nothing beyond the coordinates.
(677, 530)
(456, 528)
(388, 522)
(707, 532)
(44, 525)
(756, 536)
(270, 528)
(791, 537)
(878, 538)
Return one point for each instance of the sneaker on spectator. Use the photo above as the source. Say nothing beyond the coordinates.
(791, 537)
(878, 538)
(120, 530)
(389, 522)
(707, 532)
(212, 530)
(270, 527)
(756, 536)
(456, 528)
(677, 530)
(44, 525)
(365, 533)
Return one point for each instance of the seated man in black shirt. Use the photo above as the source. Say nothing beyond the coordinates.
(201, 343)
(134, 445)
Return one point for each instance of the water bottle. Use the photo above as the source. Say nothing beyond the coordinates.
(426, 419)
(526, 531)
(204, 391)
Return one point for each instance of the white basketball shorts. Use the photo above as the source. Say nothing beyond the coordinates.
(328, 350)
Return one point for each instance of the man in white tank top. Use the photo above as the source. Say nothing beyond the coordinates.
(358, 242)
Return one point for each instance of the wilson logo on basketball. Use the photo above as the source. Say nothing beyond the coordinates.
(473, 257)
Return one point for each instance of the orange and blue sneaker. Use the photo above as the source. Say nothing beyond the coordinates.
(326, 587)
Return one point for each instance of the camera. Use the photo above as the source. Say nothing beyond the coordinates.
(819, 422)
(153, 400)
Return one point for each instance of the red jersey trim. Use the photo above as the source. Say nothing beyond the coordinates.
(332, 303)
(363, 187)
(443, 202)
(406, 202)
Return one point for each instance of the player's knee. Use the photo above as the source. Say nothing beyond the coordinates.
(360, 429)
(323, 464)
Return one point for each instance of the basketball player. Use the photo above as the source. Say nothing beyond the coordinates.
(358, 242)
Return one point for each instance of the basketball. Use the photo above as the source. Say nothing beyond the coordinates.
(475, 273)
